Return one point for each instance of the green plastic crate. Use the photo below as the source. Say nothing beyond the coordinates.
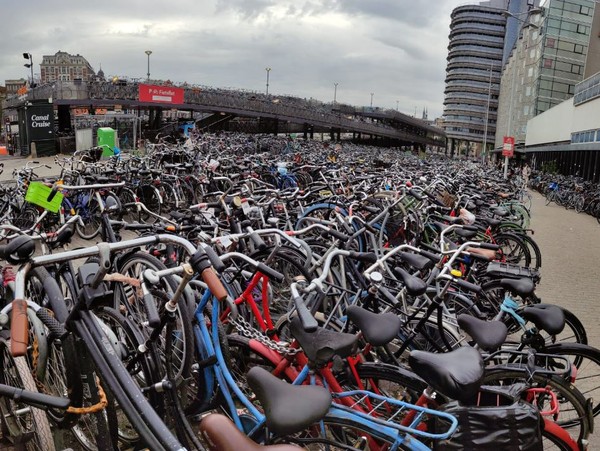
(37, 193)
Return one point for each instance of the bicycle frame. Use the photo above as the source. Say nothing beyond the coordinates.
(209, 347)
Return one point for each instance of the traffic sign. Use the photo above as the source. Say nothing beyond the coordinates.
(508, 146)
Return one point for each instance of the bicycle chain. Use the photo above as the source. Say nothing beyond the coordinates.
(247, 330)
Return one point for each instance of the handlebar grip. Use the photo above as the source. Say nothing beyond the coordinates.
(55, 327)
(215, 261)
(489, 246)
(416, 195)
(52, 193)
(151, 310)
(309, 323)
(430, 255)
(214, 284)
(468, 285)
(19, 328)
(270, 272)
(336, 234)
(258, 241)
(365, 257)
(40, 400)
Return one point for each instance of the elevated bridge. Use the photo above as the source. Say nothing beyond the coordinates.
(231, 109)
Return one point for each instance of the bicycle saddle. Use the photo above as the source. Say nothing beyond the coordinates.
(550, 318)
(18, 250)
(222, 435)
(377, 328)
(489, 335)
(415, 260)
(455, 374)
(288, 408)
(465, 234)
(414, 285)
(522, 287)
(322, 345)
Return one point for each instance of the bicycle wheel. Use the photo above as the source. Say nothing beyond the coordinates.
(150, 197)
(573, 414)
(587, 361)
(26, 425)
(132, 265)
(288, 264)
(171, 201)
(334, 433)
(513, 249)
(71, 373)
(552, 442)
(90, 216)
(128, 210)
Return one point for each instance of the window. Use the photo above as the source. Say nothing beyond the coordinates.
(598, 135)
(547, 63)
(582, 29)
(526, 110)
(530, 72)
(578, 48)
(550, 42)
(528, 91)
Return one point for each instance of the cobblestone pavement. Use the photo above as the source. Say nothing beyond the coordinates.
(570, 246)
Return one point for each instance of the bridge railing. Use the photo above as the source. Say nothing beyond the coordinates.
(282, 107)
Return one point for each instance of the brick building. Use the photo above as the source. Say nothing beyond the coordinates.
(65, 67)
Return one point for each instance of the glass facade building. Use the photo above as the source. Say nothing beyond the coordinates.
(473, 71)
(545, 65)
(566, 29)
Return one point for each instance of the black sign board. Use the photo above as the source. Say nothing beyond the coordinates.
(40, 122)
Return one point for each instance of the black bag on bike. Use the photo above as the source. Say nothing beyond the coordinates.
(500, 421)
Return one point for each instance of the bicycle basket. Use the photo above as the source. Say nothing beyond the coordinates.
(500, 421)
(37, 194)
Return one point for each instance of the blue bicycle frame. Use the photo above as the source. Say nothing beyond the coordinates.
(207, 341)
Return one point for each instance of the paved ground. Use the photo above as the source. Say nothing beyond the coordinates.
(570, 245)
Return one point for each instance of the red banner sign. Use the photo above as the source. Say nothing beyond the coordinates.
(160, 94)
(508, 146)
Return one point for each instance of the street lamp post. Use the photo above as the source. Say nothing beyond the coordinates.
(371, 100)
(148, 52)
(268, 69)
(29, 65)
(334, 92)
(487, 116)
(397, 103)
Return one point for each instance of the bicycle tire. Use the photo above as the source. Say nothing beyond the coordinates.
(333, 433)
(31, 426)
(93, 431)
(573, 411)
(61, 370)
(513, 249)
(132, 265)
(288, 265)
(92, 224)
(587, 361)
(150, 197)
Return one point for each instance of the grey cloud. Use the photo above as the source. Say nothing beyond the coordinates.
(394, 48)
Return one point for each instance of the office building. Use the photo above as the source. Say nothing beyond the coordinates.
(545, 65)
(473, 73)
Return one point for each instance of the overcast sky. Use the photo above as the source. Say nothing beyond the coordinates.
(395, 49)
